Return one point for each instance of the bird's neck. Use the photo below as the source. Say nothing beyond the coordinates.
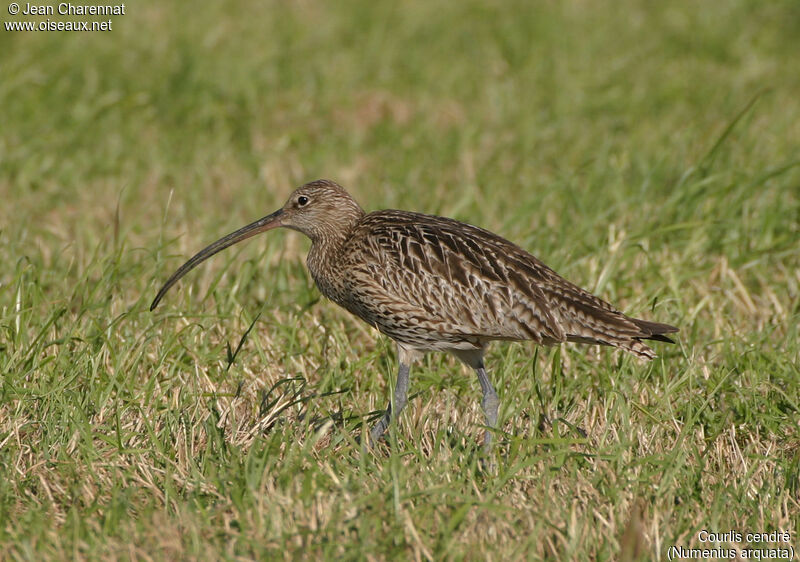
(327, 249)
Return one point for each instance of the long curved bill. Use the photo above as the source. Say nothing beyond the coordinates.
(267, 223)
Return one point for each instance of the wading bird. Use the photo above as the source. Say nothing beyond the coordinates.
(436, 284)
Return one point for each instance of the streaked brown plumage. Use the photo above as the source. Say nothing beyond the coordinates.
(436, 284)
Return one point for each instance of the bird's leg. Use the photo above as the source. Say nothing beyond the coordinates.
(399, 400)
(490, 403)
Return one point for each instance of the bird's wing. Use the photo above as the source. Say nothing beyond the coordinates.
(457, 280)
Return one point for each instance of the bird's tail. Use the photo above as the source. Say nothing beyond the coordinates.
(654, 330)
(628, 334)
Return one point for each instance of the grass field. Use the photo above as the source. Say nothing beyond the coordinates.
(650, 153)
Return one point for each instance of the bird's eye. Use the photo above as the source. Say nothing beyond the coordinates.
(302, 201)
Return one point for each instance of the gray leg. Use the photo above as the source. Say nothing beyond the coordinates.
(490, 403)
(400, 399)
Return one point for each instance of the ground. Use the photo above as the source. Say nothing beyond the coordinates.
(648, 153)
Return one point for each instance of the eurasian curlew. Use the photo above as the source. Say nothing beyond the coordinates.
(436, 284)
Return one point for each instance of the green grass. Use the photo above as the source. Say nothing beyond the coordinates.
(650, 153)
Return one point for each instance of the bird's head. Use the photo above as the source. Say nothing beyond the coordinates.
(322, 210)
(319, 209)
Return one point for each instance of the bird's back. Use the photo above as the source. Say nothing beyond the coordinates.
(439, 284)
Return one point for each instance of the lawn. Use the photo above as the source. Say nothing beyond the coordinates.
(649, 153)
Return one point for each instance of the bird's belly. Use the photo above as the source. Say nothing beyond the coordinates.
(407, 327)
(420, 317)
